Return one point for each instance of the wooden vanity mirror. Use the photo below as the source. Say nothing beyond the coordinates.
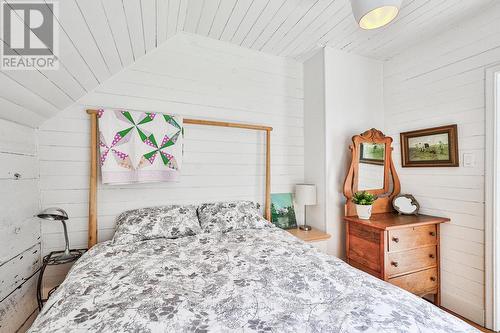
(371, 170)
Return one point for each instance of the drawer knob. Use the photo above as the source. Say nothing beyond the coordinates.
(395, 239)
(431, 256)
(433, 278)
(394, 263)
(432, 233)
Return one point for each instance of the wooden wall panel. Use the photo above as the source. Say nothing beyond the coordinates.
(192, 76)
(18, 311)
(19, 231)
(18, 270)
(441, 82)
(98, 38)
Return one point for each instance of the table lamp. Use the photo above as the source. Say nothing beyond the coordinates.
(305, 194)
(58, 214)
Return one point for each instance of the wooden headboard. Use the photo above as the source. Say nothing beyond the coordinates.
(94, 152)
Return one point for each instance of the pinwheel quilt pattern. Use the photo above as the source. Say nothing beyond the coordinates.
(139, 147)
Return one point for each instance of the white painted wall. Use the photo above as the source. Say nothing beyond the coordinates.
(441, 82)
(19, 231)
(314, 136)
(354, 103)
(348, 100)
(195, 77)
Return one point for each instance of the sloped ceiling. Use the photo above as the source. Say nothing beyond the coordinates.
(98, 38)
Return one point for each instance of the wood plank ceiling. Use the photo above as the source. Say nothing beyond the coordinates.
(98, 38)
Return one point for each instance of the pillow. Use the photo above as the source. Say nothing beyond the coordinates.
(227, 216)
(172, 221)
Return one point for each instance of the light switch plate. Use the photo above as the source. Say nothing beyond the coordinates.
(469, 160)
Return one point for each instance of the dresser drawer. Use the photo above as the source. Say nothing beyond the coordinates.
(364, 247)
(419, 283)
(411, 260)
(410, 238)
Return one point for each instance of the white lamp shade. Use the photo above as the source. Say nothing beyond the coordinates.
(373, 14)
(305, 194)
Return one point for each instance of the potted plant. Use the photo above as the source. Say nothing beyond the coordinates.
(364, 202)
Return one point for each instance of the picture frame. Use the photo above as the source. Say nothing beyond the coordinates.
(372, 153)
(431, 147)
(282, 211)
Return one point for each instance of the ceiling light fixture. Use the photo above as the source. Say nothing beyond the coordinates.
(373, 14)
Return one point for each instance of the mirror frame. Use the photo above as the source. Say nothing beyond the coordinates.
(384, 203)
(413, 202)
(356, 149)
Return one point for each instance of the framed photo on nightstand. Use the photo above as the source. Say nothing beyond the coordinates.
(282, 211)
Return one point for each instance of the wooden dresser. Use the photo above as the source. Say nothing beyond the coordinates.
(400, 249)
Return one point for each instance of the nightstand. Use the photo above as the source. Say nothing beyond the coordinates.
(315, 237)
(52, 259)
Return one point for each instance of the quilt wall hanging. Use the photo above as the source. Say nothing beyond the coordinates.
(139, 147)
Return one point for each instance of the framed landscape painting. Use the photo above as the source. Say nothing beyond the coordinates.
(282, 211)
(432, 147)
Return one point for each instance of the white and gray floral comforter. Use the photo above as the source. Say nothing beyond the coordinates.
(253, 280)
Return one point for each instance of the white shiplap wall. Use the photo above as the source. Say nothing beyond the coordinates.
(19, 231)
(437, 83)
(98, 38)
(353, 103)
(194, 77)
(343, 97)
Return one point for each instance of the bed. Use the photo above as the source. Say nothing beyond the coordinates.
(221, 267)
(241, 280)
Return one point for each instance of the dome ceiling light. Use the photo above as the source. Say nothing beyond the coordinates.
(373, 14)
